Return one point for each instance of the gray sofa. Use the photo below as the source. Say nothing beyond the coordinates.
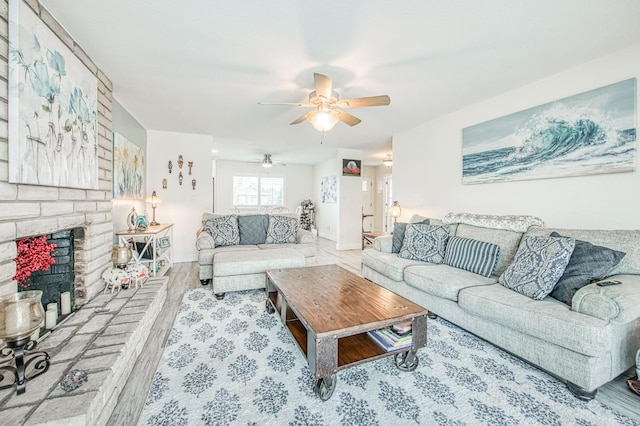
(586, 344)
(241, 263)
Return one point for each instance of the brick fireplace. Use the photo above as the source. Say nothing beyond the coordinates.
(30, 210)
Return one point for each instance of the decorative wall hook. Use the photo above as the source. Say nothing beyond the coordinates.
(180, 178)
(193, 184)
(180, 161)
(170, 166)
(164, 183)
(190, 163)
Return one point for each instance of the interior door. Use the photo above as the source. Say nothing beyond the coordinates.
(367, 205)
(388, 201)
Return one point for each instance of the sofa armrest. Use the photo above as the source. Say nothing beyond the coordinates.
(303, 236)
(617, 303)
(383, 244)
(204, 241)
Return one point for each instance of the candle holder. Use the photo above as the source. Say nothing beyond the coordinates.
(20, 316)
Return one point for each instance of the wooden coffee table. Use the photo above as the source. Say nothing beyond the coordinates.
(329, 310)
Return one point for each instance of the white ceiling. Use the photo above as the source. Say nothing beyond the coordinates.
(202, 66)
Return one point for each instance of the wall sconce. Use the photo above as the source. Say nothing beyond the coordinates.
(180, 178)
(164, 183)
(153, 199)
(193, 184)
(395, 211)
(180, 161)
(388, 161)
(170, 166)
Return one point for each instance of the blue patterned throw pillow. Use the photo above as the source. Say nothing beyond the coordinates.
(538, 265)
(399, 228)
(472, 255)
(253, 228)
(224, 230)
(424, 242)
(282, 229)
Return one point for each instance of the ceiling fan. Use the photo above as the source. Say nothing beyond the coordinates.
(328, 107)
(267, 162)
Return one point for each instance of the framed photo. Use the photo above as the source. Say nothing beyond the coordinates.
(589, 133)
(164, 242)
(329, 189)
(53, 107)
(351, 167)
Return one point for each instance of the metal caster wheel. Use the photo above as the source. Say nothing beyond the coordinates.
(406, 361)
(325, 386)
(269, 307)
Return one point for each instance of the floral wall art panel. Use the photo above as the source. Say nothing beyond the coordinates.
(329, 189)
(53, 100)
(590, 133)
(128, 169)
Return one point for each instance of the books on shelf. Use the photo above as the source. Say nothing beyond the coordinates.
(391, 340)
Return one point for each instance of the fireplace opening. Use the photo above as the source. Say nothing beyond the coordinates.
(60, 276)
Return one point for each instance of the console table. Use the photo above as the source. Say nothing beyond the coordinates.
(155, 240)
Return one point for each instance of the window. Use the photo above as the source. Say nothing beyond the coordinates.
(258, 191)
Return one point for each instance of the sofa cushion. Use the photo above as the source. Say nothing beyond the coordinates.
(255, 261)
(548, 319)
(588, 263)
(424, 242)
(471, 255)
(307, 249)
(223, 229)
(443, 280)
(538, 265)
(508, 241)
(387, 264)
(282, 229)
(253, 228)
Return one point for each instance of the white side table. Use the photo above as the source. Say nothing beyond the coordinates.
(156, 240)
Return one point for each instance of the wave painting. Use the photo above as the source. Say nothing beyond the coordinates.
(590, 133)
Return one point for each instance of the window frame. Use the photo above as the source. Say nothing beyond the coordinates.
(259, 191)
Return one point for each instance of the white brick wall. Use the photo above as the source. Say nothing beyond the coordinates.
(28, 210)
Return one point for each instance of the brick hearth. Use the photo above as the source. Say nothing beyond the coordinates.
(104, 338)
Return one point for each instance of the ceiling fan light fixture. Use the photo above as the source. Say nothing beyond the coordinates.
(323, 119)
(388, 161)
(266, 161)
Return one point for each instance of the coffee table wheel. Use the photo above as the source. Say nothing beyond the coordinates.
(269, 307)
(325, 386)
(406, 361)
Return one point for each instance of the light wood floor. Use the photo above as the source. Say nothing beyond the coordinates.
(184, 276)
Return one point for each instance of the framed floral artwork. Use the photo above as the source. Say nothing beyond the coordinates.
(53, 104)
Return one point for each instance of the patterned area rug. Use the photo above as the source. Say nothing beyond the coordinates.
(228, 362)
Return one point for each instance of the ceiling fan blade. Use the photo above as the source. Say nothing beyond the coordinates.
(369, 101)
(299, 120)
(347, 118)
(297, 104)
(322, 85)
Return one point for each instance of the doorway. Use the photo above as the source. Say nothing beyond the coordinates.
(367, 205)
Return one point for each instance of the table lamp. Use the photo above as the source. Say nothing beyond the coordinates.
(395, 211)
(153, 199)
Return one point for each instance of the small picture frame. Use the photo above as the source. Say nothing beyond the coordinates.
(164, 242)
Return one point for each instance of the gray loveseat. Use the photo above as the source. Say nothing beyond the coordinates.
(234, 251)
(587, 340)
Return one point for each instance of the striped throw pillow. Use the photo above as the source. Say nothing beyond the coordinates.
(472, 255)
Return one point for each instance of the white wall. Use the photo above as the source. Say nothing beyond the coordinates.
(297, 181)
(427, 176)
(326, 213)
(181, 205)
